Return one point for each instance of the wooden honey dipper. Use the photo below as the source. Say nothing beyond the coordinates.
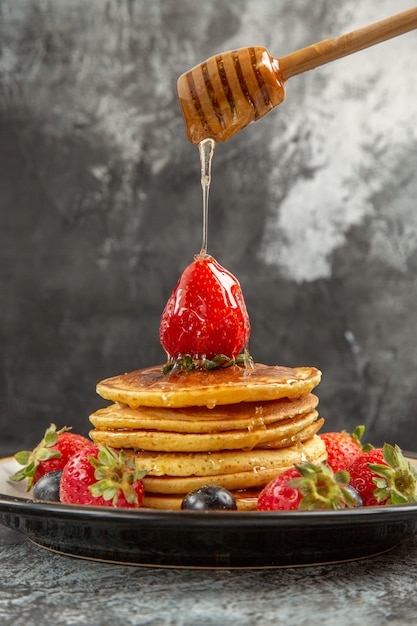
(229, 91)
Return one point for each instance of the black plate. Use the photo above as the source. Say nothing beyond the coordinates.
(204, 539)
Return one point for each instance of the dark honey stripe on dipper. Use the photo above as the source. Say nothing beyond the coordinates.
(197, 104)
(258, 74)
(242, 82)
(212, 94)
(225, 83)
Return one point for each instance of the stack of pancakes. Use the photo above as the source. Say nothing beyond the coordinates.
(235, 427)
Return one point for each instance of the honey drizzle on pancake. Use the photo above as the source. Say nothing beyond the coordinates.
(150, 387)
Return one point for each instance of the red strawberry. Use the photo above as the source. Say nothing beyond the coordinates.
(101, 476)
(383, 476)
(307, 487)
(206, 314)
(51, 454)
(278, 495)
(342, 448)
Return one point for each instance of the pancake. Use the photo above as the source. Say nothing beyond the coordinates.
(314, 450)
(204, 442)
(298, 437)
(249, 415)
(239, 480)
(150, 387)
(246, 500)
(225, 462)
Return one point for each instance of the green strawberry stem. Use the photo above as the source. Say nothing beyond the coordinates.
(185, 362)
(357, 435)
(321, 488)
(32, 458)
(395, 482)
(115, 472)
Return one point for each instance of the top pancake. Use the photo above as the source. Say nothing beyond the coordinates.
(150, 387)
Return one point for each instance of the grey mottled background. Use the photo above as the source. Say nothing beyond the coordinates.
(313, 208)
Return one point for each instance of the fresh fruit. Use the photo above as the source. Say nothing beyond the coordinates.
(278, 495)
(383, 476)
(100, 476)
(47, 487)
(307, 487)
(209, 498)
(51, 453)
(206, 314)
(342, 448)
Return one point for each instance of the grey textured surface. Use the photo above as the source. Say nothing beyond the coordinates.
(313, 208)
(41, 587)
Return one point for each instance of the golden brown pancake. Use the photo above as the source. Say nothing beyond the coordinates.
(266, 436)
(239, 480)
(150, 387)
(246, 500)
(245, 415)
(179, 464)
(166, 491)
(300, 436)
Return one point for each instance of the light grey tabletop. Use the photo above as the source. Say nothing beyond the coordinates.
(39, 587)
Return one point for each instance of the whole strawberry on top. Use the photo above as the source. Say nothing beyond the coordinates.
(101, 476)
(206, 314)
(51, 454)
(383, 476)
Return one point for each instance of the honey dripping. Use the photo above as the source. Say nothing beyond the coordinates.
(206, 149)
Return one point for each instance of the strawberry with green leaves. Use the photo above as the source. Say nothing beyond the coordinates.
(205, 315)
(51, 454)
(383, 476)
(308, 487)
(342, 447)
(101, 476)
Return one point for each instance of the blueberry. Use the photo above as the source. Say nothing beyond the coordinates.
(354, 494)
(209, 498)
(47, 487)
